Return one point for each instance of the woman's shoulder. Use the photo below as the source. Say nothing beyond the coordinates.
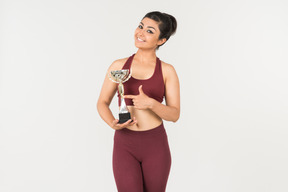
(118, 64)
(168, 71)
(167, 68)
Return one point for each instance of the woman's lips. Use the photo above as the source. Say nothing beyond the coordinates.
(141, 40)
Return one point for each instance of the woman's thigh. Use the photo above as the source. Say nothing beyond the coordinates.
(127, 170)
(156, 165)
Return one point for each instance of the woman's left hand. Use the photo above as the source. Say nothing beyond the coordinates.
(141, 101)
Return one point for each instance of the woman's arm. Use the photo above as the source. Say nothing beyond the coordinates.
(107, 93)
(170, 111)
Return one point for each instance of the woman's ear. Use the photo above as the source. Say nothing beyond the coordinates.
(161, 41)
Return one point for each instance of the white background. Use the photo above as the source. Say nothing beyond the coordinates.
(230, 56)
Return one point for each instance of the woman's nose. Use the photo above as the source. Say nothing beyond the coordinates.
(140, 32)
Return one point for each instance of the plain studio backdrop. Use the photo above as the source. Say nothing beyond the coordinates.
(231, 59)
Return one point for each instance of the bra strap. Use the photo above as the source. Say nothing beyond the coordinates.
(127, 65)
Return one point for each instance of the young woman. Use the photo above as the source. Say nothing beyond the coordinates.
(141, 154)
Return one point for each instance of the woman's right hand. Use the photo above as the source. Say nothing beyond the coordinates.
(118, 126)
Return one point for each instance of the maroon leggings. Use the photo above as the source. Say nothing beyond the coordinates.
(141, 160)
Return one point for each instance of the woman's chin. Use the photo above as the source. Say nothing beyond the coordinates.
(139, 46)
(142, 46)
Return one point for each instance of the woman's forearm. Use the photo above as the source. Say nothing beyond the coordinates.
(168, 113)
(105, 113)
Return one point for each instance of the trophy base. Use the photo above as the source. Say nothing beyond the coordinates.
(123, 117)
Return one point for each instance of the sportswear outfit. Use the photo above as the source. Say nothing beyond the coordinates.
(142, 159)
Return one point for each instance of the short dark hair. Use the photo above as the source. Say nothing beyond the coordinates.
(167, 24)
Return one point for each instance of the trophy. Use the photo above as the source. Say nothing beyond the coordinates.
(121, 76)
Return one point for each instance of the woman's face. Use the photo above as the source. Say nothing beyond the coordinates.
(147, 34)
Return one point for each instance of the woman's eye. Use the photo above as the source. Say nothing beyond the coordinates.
(140, 26)
(149, 31)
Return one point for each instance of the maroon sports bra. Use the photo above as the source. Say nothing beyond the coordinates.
(153, 87)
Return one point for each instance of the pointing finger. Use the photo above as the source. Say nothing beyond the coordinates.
(140, 89)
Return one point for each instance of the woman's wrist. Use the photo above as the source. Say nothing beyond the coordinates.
(152, 103)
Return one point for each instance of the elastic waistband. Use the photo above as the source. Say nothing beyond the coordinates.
(152, 131)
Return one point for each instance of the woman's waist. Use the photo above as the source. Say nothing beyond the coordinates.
(154, 129)
(139, 126)
(139, 137)
(146, 119)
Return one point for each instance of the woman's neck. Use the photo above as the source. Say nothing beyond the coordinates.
(145, 55)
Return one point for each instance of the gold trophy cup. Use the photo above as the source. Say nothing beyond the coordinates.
(120, 77)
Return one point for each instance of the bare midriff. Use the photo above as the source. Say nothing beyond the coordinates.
(146, 119)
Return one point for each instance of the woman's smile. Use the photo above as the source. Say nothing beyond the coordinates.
(141, 40)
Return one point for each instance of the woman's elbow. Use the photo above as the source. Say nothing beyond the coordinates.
(175, 120)
(100, 104)
(176, 117)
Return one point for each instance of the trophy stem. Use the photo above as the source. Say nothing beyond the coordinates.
(121, 90)
(123, 107)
